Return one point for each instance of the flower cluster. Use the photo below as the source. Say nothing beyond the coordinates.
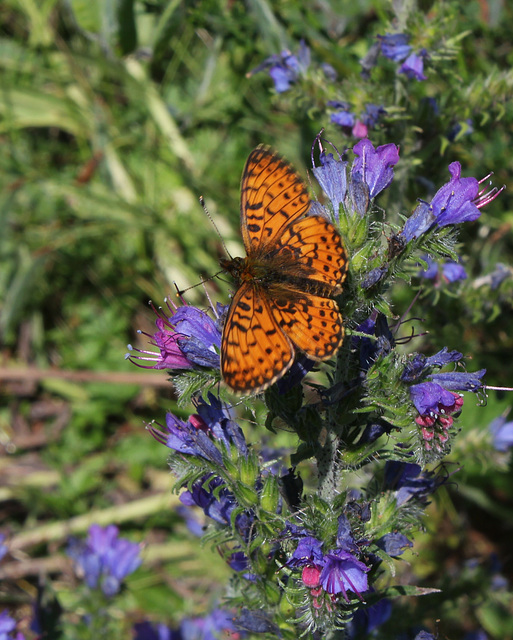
(104, 559)
(395, 47)
(327, 548)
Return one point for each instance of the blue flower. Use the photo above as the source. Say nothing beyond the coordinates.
(394, 544)
(420, 365)
(285, 68)
(308, 552)
(3, 548)
(203, 432)
(8, 626)
(186, 338)
(502, 433)
(374, 166)
(366, 620)
(408, 481)
(331, 175)
(413, 66)
(105, 558)
(395, 46)
(429, 396)
(342, 572)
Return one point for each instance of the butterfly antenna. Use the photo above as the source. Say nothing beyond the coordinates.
(207, 213)
(180, 292)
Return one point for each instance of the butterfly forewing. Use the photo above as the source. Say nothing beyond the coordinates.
(272, 196)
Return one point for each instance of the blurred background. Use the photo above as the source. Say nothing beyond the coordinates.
(114, 118)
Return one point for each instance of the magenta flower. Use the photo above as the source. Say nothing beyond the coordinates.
(185, 339)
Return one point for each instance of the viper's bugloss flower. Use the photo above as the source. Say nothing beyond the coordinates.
(502, 433)
(104, 558)
(448, 271)
(372, 349)
(365, 620)
(308, 553)
(395, 46)
(394, 544)
(8, 628)
(409, 482)
(217, 624)
(431, 399)
(187, 337)
(210, 494)
(420, 365)
(203, 432)
(342, 572)
(3, 548)
(332, 176)
(285, 68)
(460, 200)
(413, 66)
(374, 165)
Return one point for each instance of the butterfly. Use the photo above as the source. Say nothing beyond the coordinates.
(295, 265)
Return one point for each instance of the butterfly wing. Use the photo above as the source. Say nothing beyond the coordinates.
(313, 248)
(272, 196)
(255, 352)
(313, 323)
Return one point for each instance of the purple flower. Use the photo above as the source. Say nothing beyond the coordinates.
(366, 620)
(285, 68)
(457, 201)
(308, 552)
(374, 166)
(186, 338)
(218, 623)
(8, 626)
(342, 572)
(372, 114)
(395, 46)
(203, 432)
(420, 365)
(502, 433)
(459, 380)
(331, 175)
(429, 396)
(158, 631)
(451, 271)
(3, 548)
(394, 544)
(105, 557)
(413, 66)
(343, 117)
(210, 494)
(408, 481)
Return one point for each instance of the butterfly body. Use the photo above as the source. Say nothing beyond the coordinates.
(295, 264)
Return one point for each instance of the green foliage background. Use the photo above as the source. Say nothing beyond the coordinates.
(114, 117)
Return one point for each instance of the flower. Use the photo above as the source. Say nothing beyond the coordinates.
(420, 365)
(394, 544)
(342, 572)
(218, 623)
(285, 68)
(332, 177)
(457, 201)
(374, 166)
(395, 46)
(204, 432)
(413, 66)
(3, 548)
(8, 626)
(186, 338)
(450, 271)
(104, 557)
(409, 482)
(502, 433)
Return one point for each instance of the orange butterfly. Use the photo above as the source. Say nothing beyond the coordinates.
(295, 263)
